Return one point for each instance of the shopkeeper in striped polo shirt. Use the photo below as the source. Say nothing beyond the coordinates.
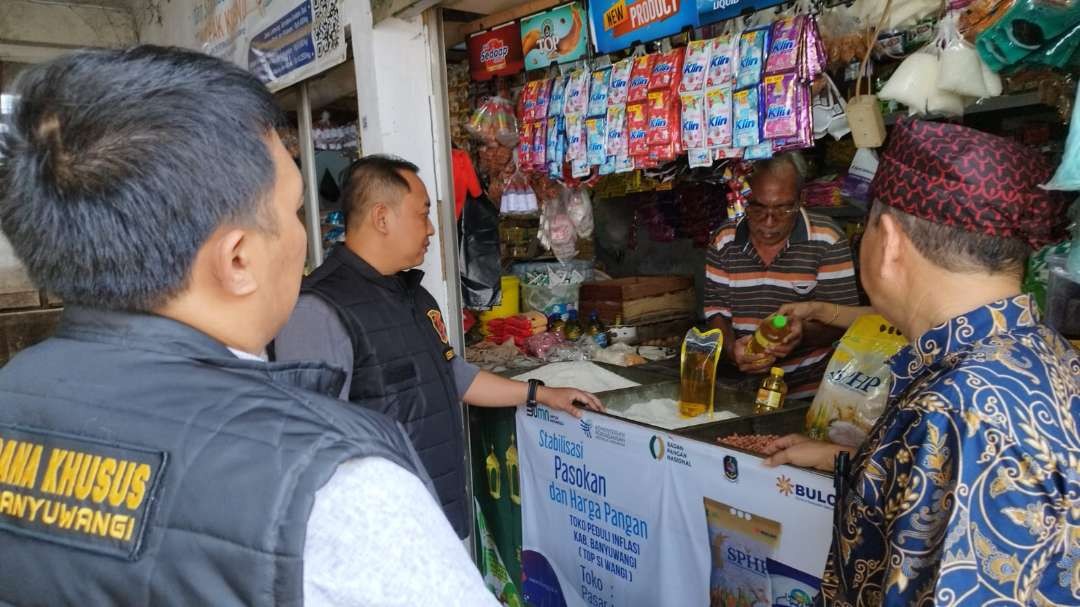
(778, 253)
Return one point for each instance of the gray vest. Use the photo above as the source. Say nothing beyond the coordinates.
(150, 466)
(401, 365)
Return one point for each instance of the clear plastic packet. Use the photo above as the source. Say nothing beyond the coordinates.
(695, 66)
(718, 116)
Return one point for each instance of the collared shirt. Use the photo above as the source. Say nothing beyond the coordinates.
(814, 265)
(967, 490)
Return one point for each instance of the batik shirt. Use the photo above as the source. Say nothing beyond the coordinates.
(967, 491)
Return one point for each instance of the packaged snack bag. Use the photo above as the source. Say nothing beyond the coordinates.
(695, 66)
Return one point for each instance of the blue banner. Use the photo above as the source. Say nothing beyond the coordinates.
(711, 11)
(617, 24)
(284, 46)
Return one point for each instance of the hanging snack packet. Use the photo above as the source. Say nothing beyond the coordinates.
(745, 113)
(741, 544)
(720, 73)
(785, 45)
(718, 117)
(596, 140)
(780, 105)
(525, 143)
(638, 89)
(539, 147)
(618, 87)
(637, 129)
(752, 52)
(616, 130)
(661, 125)
(543, 97)
(598, 92)
(527, 103)
(695, 66)
(693, 121)
(667, 71)
(577, 93)
(575, 137)
(557, 98)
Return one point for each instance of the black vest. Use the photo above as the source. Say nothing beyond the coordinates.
(401, 364)
(152, 467)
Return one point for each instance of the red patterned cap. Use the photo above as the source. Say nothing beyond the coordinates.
(967, 179)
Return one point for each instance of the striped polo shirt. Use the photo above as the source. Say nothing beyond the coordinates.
(815, 265)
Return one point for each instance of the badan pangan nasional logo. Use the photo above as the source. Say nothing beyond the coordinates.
(656, 447)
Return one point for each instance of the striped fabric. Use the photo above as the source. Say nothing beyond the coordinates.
(815, 265)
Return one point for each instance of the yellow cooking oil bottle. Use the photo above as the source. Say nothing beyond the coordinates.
(697, 373)
(773, 390)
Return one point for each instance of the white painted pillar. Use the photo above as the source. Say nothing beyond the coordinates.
(401, 99)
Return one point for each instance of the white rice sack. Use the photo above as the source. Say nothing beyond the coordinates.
(961, 71)
(913, 82)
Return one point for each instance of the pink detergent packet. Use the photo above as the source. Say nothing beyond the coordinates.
(577, 93)
(780, 105)
(718, 117)
(616, 130)
(745, 113)
(785, 45)
(693, 120)
(618, 87)
(667, 71)
(539, 148)
(720, 72)
(543, 97)
(814, 56)
(638, 90)
(575, 137)
(662, 128)
(527, 103)
(753, 48)
(695, 66)
(596, 140)
(598, 92)
(637, 129)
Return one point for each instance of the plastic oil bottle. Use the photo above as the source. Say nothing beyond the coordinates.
(773, 390)
(771, 332)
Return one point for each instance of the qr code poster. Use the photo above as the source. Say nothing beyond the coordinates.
(299, 40)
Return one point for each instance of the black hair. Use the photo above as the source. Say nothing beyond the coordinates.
(958, 250)
(372, 177)
(117, 165)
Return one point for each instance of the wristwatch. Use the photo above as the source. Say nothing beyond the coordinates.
(530, 401)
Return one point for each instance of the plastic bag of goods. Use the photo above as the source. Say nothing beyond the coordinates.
(494, 121)
(855, 388)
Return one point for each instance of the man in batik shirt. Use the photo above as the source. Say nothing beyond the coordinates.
(967, 491)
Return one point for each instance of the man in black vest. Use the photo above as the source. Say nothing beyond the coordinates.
(147, 454)
(364, 310)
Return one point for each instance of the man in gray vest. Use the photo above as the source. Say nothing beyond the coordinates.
(148, 455)
(364, 310)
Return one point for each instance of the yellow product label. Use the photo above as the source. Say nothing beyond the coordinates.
(768, 398)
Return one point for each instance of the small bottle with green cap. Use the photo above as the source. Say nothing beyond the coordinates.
(773, 390)
(771, 332)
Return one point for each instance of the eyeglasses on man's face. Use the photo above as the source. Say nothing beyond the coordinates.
(759, 211)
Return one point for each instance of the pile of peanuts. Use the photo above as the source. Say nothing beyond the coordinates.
(754, 443)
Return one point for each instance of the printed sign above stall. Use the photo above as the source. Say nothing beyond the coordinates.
(496, 52)
(282, 42)
(554, 36)
(618, 24)
(711, 11)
